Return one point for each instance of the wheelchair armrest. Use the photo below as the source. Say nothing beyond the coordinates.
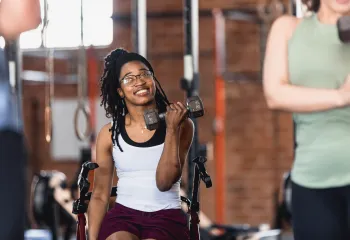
(186, 200)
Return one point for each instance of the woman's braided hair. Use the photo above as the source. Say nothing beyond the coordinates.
(113, 104)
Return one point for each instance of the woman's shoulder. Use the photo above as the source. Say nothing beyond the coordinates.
(104, 136)
(285, 25)
(106, 127)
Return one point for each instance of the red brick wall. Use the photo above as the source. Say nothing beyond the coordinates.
(258, 143)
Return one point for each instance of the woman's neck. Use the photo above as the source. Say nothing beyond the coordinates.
(327, 16)
(135, 114)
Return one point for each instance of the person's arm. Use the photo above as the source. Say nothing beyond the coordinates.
(279, 93)
(176, 146)
(17, 16)
(103, 176)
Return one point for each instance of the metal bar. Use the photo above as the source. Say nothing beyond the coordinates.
(63, 51)
(191, 77)
(92, 82)
(242, 13)
(100, 54)
(176, 54)
(39, 76)
(134, 25)
(193, 88)
(142, 27)
(139, 27)
(220, 39)
(220, 115)
(188, 78)
(195, 36)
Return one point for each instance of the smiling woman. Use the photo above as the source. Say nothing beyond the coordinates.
(149, 163)
(118, 75)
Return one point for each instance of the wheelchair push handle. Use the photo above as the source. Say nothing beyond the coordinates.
(203, 174)
(86, 168)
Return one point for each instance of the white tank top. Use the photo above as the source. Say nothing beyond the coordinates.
(136, 170)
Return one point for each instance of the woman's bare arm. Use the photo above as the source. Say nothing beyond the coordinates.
(279, 93)
(17, 16)
(103, 176)
(176, 146)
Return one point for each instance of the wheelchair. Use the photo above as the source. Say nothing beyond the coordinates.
(49, 213)
(80, 205)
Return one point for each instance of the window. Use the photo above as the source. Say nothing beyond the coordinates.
(63, 30)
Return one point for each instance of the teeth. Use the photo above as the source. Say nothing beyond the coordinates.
(141, 91)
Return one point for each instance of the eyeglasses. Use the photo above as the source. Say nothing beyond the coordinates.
(130, 80)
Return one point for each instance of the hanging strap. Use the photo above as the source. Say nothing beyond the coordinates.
(82, 88)
(49, 83)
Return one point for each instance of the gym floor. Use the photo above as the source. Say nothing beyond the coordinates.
(249, 148)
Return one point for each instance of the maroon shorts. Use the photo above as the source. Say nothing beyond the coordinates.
(169, 224)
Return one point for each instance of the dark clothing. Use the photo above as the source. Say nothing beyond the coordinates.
(322, 214)
(12, 185)
(169, 224)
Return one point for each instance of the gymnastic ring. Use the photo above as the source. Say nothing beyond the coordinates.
(86, 112)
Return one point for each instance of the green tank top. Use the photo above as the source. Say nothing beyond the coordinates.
(318, 59)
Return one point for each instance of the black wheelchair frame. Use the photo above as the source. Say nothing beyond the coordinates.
(80, 205)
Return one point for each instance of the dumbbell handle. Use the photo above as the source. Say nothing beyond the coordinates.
(162, 115)
(194, 106)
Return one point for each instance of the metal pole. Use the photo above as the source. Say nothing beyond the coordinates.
(139, 26)
(191, 77)
(195, 43)
(220, 114)
(298, 8)
(188, 57)
(134, 32)
(142, 27)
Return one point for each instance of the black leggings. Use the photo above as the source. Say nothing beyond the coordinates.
(321, 214)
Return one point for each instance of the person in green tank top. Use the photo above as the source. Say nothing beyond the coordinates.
(307, 72)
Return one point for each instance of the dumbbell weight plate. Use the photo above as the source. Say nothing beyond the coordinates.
(343, 25)
(195, 107)
(151, 119)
